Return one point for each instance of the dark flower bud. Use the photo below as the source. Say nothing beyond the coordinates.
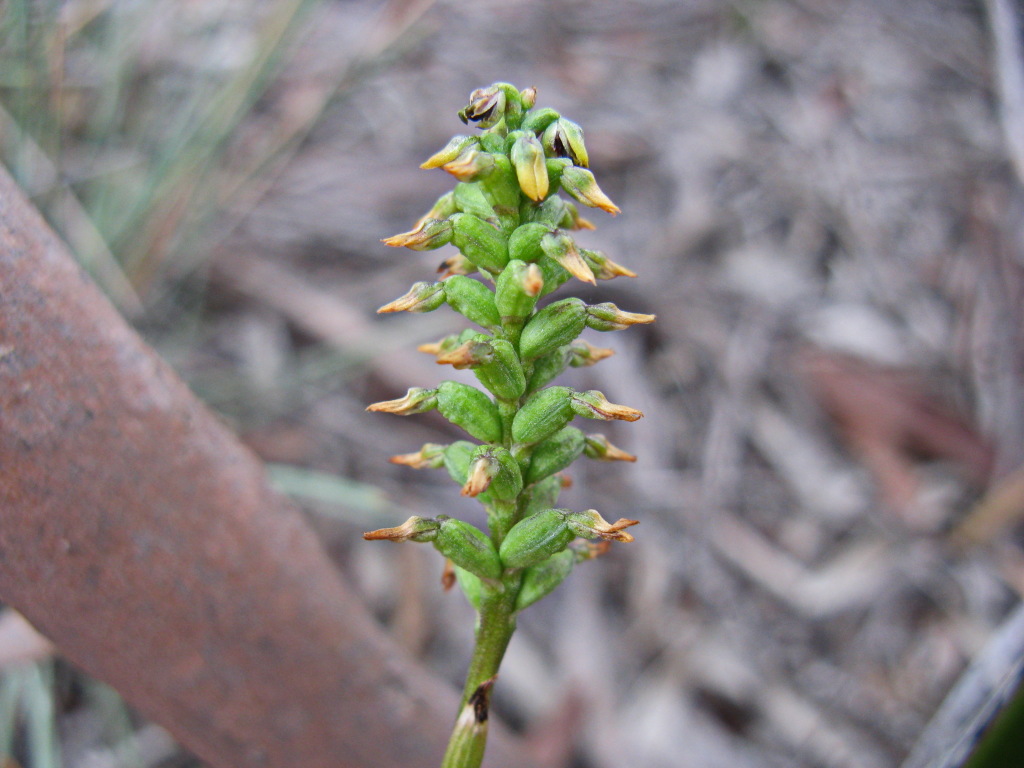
(564, 138)
(488, 106)
(455, 265)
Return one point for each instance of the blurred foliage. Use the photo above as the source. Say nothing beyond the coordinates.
(120, 121)
(1002, 745)
(27, 709)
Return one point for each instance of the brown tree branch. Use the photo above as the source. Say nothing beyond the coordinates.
(139, 535)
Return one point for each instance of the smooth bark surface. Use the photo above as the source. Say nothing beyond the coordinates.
(139, 535)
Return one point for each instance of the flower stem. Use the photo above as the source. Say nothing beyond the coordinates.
(496, 625)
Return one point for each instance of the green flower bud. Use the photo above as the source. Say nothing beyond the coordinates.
(416, 400)
(430, 456)
(494, 142)
(469, 408)
(556, 167)
(578, 354)
(448, 343)
(426, 236)
(422, 297)
(493, 469)
(603, 267)
(473, 300)
(479, 242)
(443, 207)
(548, 367)
(599, 448)
(414, 529)
(554, 326)
(472, 165)
(535, 539)
(543, 414)
(583, 354)
(554, 275)
(457, 458)
(528, 97)
(561, 248)
(540, 580)
(608, 317)
(572, 219)
(564, 138)
(527, 157)
(543, 495)
(470, 198)
(590, 525)
(467, 547)
(502, 374)
(580, 183)
(470, 585)
(555, 454)
(554, 212)
(516, 290)
(501, 185)
(539, 119)
(456, 146)
(594, 405)
(475, 352)
(525, 241)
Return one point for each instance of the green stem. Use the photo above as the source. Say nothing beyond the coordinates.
(495, 628)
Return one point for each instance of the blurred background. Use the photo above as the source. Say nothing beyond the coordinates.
(822, 203)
